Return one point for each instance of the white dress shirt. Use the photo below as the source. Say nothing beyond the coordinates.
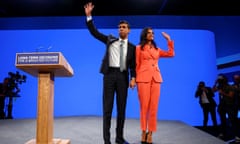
(114, 53)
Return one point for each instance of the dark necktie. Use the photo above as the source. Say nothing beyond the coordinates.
(122, 67)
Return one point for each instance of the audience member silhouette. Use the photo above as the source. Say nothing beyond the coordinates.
(226, 107)
(236, 85)
(3, 92)
(207, 103)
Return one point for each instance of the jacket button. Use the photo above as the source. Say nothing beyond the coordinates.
(152, 64)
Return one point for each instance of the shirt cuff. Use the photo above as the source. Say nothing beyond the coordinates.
(89, 18)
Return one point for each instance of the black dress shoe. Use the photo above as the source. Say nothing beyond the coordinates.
(121, 141)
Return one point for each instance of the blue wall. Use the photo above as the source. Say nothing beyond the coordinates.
(198, 42)
(225, 28)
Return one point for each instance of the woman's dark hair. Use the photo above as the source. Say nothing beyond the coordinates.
(143, 38)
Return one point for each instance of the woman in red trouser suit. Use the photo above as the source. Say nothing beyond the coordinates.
(149, 79)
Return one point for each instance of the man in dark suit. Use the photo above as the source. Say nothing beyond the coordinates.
(116, 76)
(207, 103)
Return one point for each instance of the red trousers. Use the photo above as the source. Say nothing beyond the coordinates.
(148, 94)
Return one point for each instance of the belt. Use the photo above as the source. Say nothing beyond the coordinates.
(115, 69)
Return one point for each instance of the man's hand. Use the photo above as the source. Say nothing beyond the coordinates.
(88, 8)
(132, 83)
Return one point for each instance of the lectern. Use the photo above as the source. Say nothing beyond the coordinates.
(46, 66)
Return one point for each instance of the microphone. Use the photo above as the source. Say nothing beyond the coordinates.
(49, 48)
(38, 48)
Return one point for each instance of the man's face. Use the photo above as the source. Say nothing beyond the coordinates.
(6, 81)
(123, 30)
(201, 86)
(236, 78)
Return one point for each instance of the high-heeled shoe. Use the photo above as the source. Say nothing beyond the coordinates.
(144, 137)
(149, 138)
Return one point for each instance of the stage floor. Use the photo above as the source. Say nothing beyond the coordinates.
(88, 130)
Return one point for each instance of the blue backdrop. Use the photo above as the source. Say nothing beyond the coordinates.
(81, 94)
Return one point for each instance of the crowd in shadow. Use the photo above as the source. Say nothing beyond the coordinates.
(227, 108)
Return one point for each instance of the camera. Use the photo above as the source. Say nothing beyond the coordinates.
(15, 79)
(201, 85)
(12, 90)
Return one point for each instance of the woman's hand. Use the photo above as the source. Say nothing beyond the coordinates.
(166, 36)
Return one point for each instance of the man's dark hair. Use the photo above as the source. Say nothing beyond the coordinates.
(124, 22)
(201, 83)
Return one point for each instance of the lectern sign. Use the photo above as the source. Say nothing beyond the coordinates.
(38, 58)
(36, 62)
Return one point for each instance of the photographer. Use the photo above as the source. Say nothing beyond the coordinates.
(9, 89)
(236, 85)
(13, 90)
(227, 106)
(3, 91)
(207, 103)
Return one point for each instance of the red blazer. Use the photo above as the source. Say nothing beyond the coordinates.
(147, 62)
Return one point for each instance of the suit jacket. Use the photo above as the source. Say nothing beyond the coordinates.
(147, 62)
(109, 39)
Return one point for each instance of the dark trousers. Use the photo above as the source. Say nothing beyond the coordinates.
(2, 106)
(231, 111)
(115, 82)
(208, 108)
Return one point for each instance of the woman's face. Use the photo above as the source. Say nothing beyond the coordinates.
(150, 35)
